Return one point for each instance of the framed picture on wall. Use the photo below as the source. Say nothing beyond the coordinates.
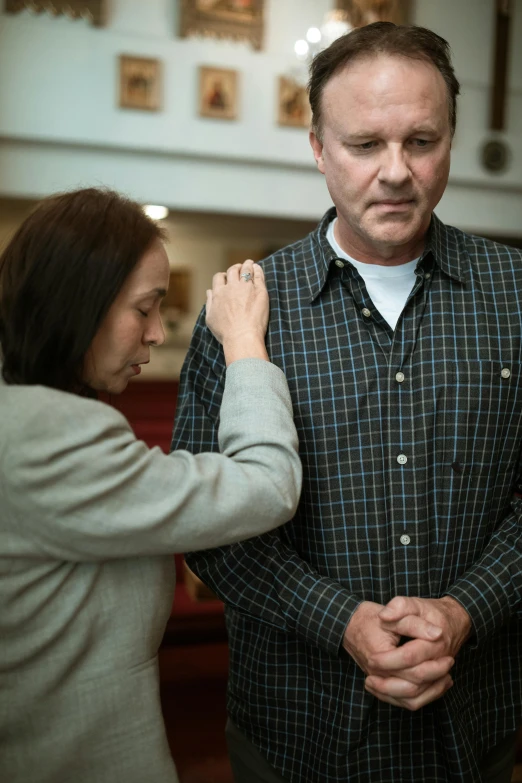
(364, 12)
(175, 308)
(293, 106)
(237, 19)
(218, 93)
(139, 83)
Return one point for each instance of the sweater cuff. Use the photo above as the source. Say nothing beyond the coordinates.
(254, 371)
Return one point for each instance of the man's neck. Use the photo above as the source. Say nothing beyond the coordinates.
(382, 255)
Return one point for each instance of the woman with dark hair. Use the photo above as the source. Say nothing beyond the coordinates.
(90, 515)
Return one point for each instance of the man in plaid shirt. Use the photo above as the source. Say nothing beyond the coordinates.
(376, 636)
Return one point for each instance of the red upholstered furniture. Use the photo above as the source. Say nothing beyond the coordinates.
(149, 406)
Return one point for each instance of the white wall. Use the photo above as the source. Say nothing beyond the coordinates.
(60, 125)
(476, 200)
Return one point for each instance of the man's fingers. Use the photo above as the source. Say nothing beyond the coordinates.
(398, 607)
(413, 626)
(429, 671)
(403, 694)
(405, 656)
(393, 686)
(426, 672)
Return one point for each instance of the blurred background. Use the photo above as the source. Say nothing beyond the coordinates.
(199, 106)
(198, 109)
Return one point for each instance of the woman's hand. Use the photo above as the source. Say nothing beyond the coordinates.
(237, 311)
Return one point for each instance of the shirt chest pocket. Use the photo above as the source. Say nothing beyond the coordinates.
(482, 437)
(483, 423)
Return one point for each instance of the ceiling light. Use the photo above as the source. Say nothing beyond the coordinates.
(155, 211)
(313, 35)
(335, 24)
(301, 48)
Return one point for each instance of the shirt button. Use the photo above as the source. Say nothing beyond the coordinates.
(399, 377)
(405, 540)
(366, 312)
(402, 459)
(427, 275)
(505, 372)
(339, 263)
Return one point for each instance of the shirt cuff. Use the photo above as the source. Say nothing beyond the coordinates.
(478, 592)
(323, 621)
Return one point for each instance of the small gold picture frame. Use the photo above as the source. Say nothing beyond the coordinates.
(239, 20)
(218, 93)
(362, 12)
(175, 308)
(140, 83)
(293, 104)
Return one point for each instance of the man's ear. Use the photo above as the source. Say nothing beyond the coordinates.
(317, 147)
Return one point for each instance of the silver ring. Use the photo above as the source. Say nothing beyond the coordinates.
(246, 276)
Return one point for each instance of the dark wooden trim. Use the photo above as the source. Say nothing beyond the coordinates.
(499, 89)
(92, 10)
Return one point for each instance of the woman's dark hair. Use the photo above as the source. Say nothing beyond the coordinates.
(59, 276)
(416, 43)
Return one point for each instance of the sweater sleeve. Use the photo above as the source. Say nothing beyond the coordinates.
(80, 486)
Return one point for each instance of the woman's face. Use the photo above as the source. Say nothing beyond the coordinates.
(132, 325)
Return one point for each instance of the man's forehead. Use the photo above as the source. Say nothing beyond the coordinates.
(364, 66)
(385, 94)
(380, 81)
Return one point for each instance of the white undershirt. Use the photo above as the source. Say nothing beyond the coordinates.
(388, 286)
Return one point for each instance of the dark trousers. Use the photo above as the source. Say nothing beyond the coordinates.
(497, 765)
(249, 766)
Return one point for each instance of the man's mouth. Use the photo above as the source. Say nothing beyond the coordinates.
(393, 203)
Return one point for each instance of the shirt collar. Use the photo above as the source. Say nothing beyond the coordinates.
(442, 242)
(448, 250)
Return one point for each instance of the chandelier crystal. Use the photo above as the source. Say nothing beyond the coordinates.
(334, 25)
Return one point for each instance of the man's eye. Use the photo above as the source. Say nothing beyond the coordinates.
(143, 313)
(367, 145)
(421, 142)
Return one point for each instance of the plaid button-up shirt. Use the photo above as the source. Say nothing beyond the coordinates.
(410, 441)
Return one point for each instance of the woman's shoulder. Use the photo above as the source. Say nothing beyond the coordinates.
(38, 411)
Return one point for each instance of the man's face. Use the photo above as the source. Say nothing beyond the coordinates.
(385, 153)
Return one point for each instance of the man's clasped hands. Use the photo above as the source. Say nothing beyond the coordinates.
(415, 672)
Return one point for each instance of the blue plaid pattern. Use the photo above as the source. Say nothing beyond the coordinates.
(414, 432)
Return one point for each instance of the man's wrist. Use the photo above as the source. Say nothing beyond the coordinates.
(459, 619)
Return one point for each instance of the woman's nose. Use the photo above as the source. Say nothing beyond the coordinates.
(155, 334)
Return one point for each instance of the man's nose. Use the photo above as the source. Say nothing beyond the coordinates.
(394, 166)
